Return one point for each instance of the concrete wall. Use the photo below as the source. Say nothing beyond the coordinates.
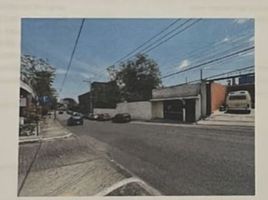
(184, 90)
(157, 110)
(218, 93)
(111, 112)
(137, 110)
(197, 109)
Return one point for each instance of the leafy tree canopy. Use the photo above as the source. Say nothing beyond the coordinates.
(39, 74)
(136, 78)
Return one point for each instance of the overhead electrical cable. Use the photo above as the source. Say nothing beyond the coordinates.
(72, 55)
(209, 61)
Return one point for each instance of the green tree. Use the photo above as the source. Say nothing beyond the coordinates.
(136, 78)
(39, 74)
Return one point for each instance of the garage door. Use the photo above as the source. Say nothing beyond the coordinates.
(173, 110)
(190, 110)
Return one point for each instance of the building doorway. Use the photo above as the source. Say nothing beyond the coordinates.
(173, 110)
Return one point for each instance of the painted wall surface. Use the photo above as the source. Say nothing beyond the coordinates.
(137, 110)
(157, 110)
(218, 93)
(111, 112)
(197, 109)
(185, 90)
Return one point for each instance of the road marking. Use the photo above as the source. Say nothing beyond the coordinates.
(126, 181)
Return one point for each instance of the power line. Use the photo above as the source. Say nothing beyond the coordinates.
(226, 73)
(71, 58)
(184, 29)
(198, 60)
(209, 78)
(167, 34)
(159, 42)
(208, 62)
(146, 42)
(213, 46)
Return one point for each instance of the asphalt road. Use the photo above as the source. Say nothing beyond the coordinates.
(180, 160)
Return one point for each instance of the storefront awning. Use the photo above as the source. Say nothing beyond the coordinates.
(176, 98)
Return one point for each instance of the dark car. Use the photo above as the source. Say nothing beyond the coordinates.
(92, 116)
(104, 117)
(89, 116)
(60, 112)
(121, 118)
(75, 119)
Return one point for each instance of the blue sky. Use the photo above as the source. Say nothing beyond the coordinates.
(104, 41)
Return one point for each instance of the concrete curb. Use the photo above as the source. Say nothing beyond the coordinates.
(29, 140)
(124, 182)
(132, 179)
(40, 138)
(225, 123)
(57, 137)
(196, 124)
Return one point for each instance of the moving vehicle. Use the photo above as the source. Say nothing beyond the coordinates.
(238, 101)
(75, 119)
(121, 117)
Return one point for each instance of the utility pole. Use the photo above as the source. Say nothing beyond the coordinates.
(201, 75)
(90, 96)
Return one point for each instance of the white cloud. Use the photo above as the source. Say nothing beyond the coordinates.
(251, 40)
(85, 75)
(251, 53)
(184, 63)
(225, 39)
(60, 71)
(241, 20)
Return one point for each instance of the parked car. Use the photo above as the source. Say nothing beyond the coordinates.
(121, 118)
(89, 116)
(69, 112)
(75, 119)
(96, 116)
(104, 117)
(238, 101)
(60, 112)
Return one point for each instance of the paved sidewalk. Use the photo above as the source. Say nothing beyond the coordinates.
(236, 119)
(49, 129)
(74, 166)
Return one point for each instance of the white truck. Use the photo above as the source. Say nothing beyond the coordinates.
(238, 100)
